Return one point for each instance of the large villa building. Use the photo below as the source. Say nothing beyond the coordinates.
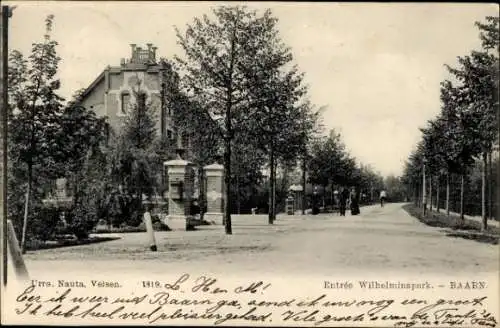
(114, 90)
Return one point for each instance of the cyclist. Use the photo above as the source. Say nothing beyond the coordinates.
(383, 197)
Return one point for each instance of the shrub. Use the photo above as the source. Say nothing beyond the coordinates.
(134, 219)
(160, 226)
(44, 223)
(81, 220)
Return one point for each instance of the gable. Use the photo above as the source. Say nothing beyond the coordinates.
(93, 97)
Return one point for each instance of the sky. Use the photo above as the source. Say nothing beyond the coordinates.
(376, 67)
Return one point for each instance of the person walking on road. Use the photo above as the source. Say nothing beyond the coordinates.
(383, 197)
(354, 200)
(344, 197)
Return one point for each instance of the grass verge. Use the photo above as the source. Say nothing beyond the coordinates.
(466, 228)
(65, 242)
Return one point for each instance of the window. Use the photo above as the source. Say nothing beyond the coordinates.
(169, 134)
(125, 102)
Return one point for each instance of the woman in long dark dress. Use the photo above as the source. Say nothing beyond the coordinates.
(354, 202)
(344, 197)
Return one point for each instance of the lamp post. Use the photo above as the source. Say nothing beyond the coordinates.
(424, 195)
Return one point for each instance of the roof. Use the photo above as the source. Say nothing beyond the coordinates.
(118, 69)
(93, 84)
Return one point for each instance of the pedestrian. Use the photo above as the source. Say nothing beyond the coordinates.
(195, 208)
(343, 198)
(383, 197)
(354, 200)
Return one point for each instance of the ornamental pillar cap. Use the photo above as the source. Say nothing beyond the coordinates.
(177, 162)
(214, 167)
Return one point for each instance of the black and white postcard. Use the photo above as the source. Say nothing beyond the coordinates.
(312, 164)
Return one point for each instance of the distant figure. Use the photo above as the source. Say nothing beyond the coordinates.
(354, 202)
(383, 197)
(315, 203)
(195, 208)
(343, 198)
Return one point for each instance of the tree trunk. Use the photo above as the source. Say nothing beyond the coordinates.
(227, 182)
(333, 197)
(484, 218)
(201, 192)
(447, 193)
(76, 178)
(437, 195)
(284, 182)
(272, 181)
(462, 183)
(274, 190)
(238, 202)
(227, 140)
(424, 200)
(304, 186)
(416, 196)
(139, 196)
(430, 192)
(490, 188)
(270, 201)
(26, 209)
(324, 202)
(419, 195)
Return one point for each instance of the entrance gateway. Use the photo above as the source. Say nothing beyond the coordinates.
(181, 177)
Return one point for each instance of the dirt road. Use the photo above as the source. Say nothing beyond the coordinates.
(381, 240)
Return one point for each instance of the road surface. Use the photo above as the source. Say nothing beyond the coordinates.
(380, 241)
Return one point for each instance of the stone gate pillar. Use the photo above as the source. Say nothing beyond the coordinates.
(180, 192)
(214, 193)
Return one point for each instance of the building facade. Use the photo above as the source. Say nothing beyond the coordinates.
(113, 95)
(113, 92)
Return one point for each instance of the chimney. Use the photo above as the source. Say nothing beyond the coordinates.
(150, 58)
(132, 57)
(154, 54)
